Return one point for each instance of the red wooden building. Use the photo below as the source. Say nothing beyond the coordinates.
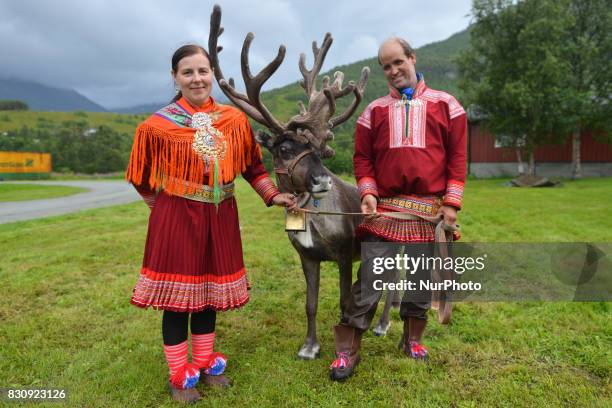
(488, 159)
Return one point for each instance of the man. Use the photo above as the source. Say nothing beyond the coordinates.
(410, 157)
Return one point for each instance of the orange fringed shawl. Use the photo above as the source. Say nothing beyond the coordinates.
(163, 148)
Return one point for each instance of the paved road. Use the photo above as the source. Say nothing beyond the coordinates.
(100, 194)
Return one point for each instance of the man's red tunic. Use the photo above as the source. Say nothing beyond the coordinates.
(411, 155)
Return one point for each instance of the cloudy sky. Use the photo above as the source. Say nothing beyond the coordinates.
(117, 52)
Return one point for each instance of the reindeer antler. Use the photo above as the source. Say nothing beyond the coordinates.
(357, 91)
(251, 102)
(310, 76)
(313, 124)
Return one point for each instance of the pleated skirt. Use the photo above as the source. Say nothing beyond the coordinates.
(193, 257)
(395, 230)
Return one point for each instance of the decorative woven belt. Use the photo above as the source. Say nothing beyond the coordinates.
(418, 205)
(205, 194)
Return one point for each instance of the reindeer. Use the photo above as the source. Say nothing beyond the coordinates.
(297, 148)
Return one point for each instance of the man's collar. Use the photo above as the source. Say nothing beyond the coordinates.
(418, 90)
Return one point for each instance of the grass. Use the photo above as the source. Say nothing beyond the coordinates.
(24, 192)
(119, 175)
(573, 212)
(14, 120)
(66, 319)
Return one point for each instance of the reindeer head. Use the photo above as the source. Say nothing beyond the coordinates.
(298, 145)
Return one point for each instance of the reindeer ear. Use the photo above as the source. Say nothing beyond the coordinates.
(264, 139)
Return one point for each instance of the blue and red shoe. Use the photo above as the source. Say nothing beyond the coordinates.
(416, 351)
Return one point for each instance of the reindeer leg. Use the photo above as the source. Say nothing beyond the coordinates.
(396, 299)
(311, 347)
(345, 269)
(384, 323)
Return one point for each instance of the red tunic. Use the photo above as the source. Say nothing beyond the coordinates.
(413, 159)
(193, 253)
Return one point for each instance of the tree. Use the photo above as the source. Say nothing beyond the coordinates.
(74, 146)
(103, 151)
(516, 70)
(12, 105)
(66, 144)
(588, 47)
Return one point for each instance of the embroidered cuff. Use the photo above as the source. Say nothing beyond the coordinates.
(367, 185)
(266, 188)
(454, 193)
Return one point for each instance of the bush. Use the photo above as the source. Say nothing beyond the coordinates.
(13, 105)
(341, 163)
(72, 148)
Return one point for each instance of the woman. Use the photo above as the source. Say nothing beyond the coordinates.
(183, 163)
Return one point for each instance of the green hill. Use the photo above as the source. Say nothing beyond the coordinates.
(15, 120)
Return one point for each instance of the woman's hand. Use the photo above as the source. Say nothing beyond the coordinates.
(285, 200)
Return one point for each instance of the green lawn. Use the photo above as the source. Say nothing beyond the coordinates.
(23, 192)
(14, 120)
(66, 320)
(119, 175)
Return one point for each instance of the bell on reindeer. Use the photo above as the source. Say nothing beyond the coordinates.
(295, 221)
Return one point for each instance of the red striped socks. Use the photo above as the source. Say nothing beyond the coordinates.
(176, 356)
(201, 348)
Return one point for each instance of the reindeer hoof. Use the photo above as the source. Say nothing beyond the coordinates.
(310, 351)
(381, 329)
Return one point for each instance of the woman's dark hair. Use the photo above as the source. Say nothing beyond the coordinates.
(185, 51)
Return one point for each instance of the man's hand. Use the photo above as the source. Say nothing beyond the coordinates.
(368, 205)
(285, 199)
(449, 213)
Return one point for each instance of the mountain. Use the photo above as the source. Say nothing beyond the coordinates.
(46, 98)
(138, 109)
(153, 107)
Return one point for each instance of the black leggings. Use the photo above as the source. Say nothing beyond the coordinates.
(174, 325)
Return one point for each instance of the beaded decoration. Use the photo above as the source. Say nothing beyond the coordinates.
(210, 144)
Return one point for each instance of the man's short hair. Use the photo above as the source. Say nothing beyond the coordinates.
(408, 50)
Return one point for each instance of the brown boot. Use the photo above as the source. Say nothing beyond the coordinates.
(216, 368)
(187, 395)
(220, 381)
(411, 338)
(348, 342)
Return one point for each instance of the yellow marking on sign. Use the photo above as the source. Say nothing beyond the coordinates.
(23, 162)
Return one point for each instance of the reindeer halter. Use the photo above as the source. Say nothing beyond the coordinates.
(290, 169)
